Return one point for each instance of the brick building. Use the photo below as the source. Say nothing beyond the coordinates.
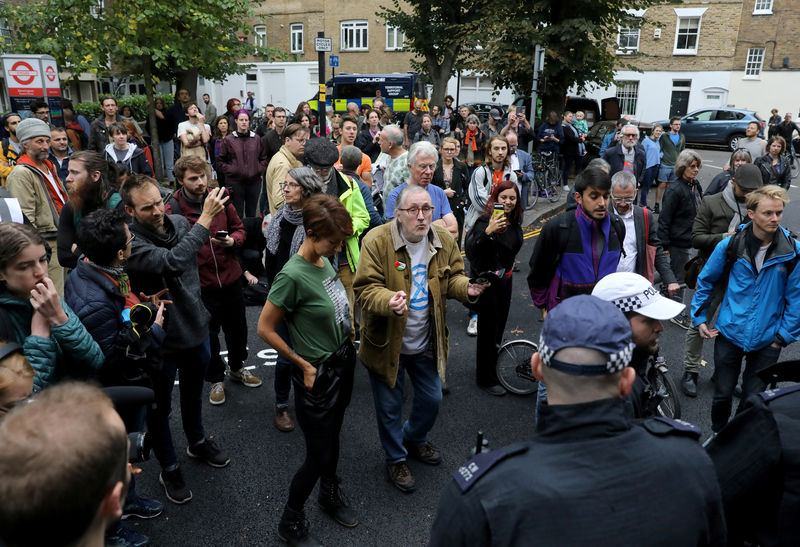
(686, 55)
(766, 64)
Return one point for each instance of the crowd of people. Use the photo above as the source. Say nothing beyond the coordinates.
(111, 278)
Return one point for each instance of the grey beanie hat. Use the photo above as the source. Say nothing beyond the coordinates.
(32, 127)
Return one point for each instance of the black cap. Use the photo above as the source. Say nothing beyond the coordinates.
(321, 153)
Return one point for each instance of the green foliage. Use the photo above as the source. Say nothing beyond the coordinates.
(170, 35)
(137, 102)
(578, 36)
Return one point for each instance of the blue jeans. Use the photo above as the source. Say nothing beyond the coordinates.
(168, 158)
(727, 365)
(283, 369)
(541, 398)
(191, 364)
(421, 369)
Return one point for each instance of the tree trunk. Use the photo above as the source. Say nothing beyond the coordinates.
(151, 117)
(439, 74)
(187, 79)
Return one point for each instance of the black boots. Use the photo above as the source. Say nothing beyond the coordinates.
(293, 529)
(333, 503)
(689, 384)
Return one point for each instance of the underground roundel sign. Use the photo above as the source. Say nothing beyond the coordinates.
(23, 73)
(51, 73)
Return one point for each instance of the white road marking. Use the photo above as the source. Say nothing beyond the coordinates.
(269, 355)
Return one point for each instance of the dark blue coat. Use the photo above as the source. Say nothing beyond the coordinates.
(616, 159)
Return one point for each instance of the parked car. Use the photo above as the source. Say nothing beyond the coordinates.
(599, 130)
(717, 126)
(482, 109)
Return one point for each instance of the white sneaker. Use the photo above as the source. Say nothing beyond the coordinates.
(472, 328)
(566, 188)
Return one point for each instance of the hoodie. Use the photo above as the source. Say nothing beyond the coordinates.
(134, 159)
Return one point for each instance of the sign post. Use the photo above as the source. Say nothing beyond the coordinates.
(333, 61)
(322, 44)
(32, 77)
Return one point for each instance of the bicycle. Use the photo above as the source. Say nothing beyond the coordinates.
(659, 396)
(791, 155)
(546, 178)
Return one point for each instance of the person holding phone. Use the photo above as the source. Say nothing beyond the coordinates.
(492, 245)
(221, 276)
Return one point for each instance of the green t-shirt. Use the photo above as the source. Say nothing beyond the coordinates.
(317, 310)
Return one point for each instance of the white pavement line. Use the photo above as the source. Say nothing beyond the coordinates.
(269, 355)
(712, 166)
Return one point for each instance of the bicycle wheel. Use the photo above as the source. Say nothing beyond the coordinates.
(514, 367)
(795, 166)
(670, 405)
(533, 192)
(553, 177)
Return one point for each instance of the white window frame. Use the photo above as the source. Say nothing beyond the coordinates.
(359, 31)
(260, 35)
(762, 7)
(688, 13)
(296, 36)
(97, 9)
(397, 36)
(628, 95)
(754, 63)
(634, 25)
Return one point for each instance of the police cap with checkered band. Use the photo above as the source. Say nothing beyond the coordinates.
(585, 321)
(632, 292)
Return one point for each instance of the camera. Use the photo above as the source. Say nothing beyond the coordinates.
(140, 447)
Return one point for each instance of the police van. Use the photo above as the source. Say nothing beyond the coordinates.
(398, 90)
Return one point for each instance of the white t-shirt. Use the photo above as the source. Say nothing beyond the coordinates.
(184, 126)
(418, 331)
(760, 256)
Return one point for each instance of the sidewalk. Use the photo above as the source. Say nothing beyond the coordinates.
(543, 209)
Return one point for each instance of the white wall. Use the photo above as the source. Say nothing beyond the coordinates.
(655, 91)
(282, 84)
(772, 90)
(477, 89)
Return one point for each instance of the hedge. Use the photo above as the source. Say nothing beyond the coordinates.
(136, 102)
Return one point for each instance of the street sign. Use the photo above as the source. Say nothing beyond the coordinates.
(323, 44)
(333, 60)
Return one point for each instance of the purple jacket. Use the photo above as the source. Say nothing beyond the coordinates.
(243, 159)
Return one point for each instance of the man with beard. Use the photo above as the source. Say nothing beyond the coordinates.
(12, 148)
(164, 258)
(36, 185)
(60, 152)
(645, 308)
(90, 188)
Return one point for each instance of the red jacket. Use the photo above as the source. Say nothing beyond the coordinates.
(218, 267)
(242, 159)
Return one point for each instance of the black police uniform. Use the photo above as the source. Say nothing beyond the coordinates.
(757, 456)
(591, 477)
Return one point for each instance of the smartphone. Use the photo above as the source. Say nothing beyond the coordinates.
(499, 210)
(222, 234)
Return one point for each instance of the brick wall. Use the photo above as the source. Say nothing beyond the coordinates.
(776, 33)
(719, 27)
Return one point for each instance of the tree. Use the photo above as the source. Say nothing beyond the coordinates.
(578, 37)
(443, 33)
(175, 39)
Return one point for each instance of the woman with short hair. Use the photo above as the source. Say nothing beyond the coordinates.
(309, 296)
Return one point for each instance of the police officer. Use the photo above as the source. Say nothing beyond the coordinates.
(757, 456)
(588, 476)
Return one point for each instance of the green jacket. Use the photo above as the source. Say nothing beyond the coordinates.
(669, 152)
(353, 201)
(70, 350)
(711, 224)
(379, 277)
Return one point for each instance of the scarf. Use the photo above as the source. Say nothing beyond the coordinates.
(295, 217)
(471, 137)
(730, 200)
(117, 273)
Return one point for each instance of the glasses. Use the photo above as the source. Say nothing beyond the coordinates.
(629, 135)
(130, 239)
(622, 201)
(289, 185)
(414, 211)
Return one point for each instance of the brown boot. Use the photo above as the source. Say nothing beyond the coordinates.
(282, 420)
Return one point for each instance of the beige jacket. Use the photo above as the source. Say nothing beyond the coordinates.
(381, 274)
(280, 164)
(26, 186)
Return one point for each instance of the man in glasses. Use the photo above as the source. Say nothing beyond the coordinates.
(640, 234)
(408, 269)
(627, 154)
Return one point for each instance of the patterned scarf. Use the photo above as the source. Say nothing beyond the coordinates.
(117, 273)
(294, 216)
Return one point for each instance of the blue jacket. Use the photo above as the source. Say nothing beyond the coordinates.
(755, 307)
(70, 350)
(548, 129)
(526, 166)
